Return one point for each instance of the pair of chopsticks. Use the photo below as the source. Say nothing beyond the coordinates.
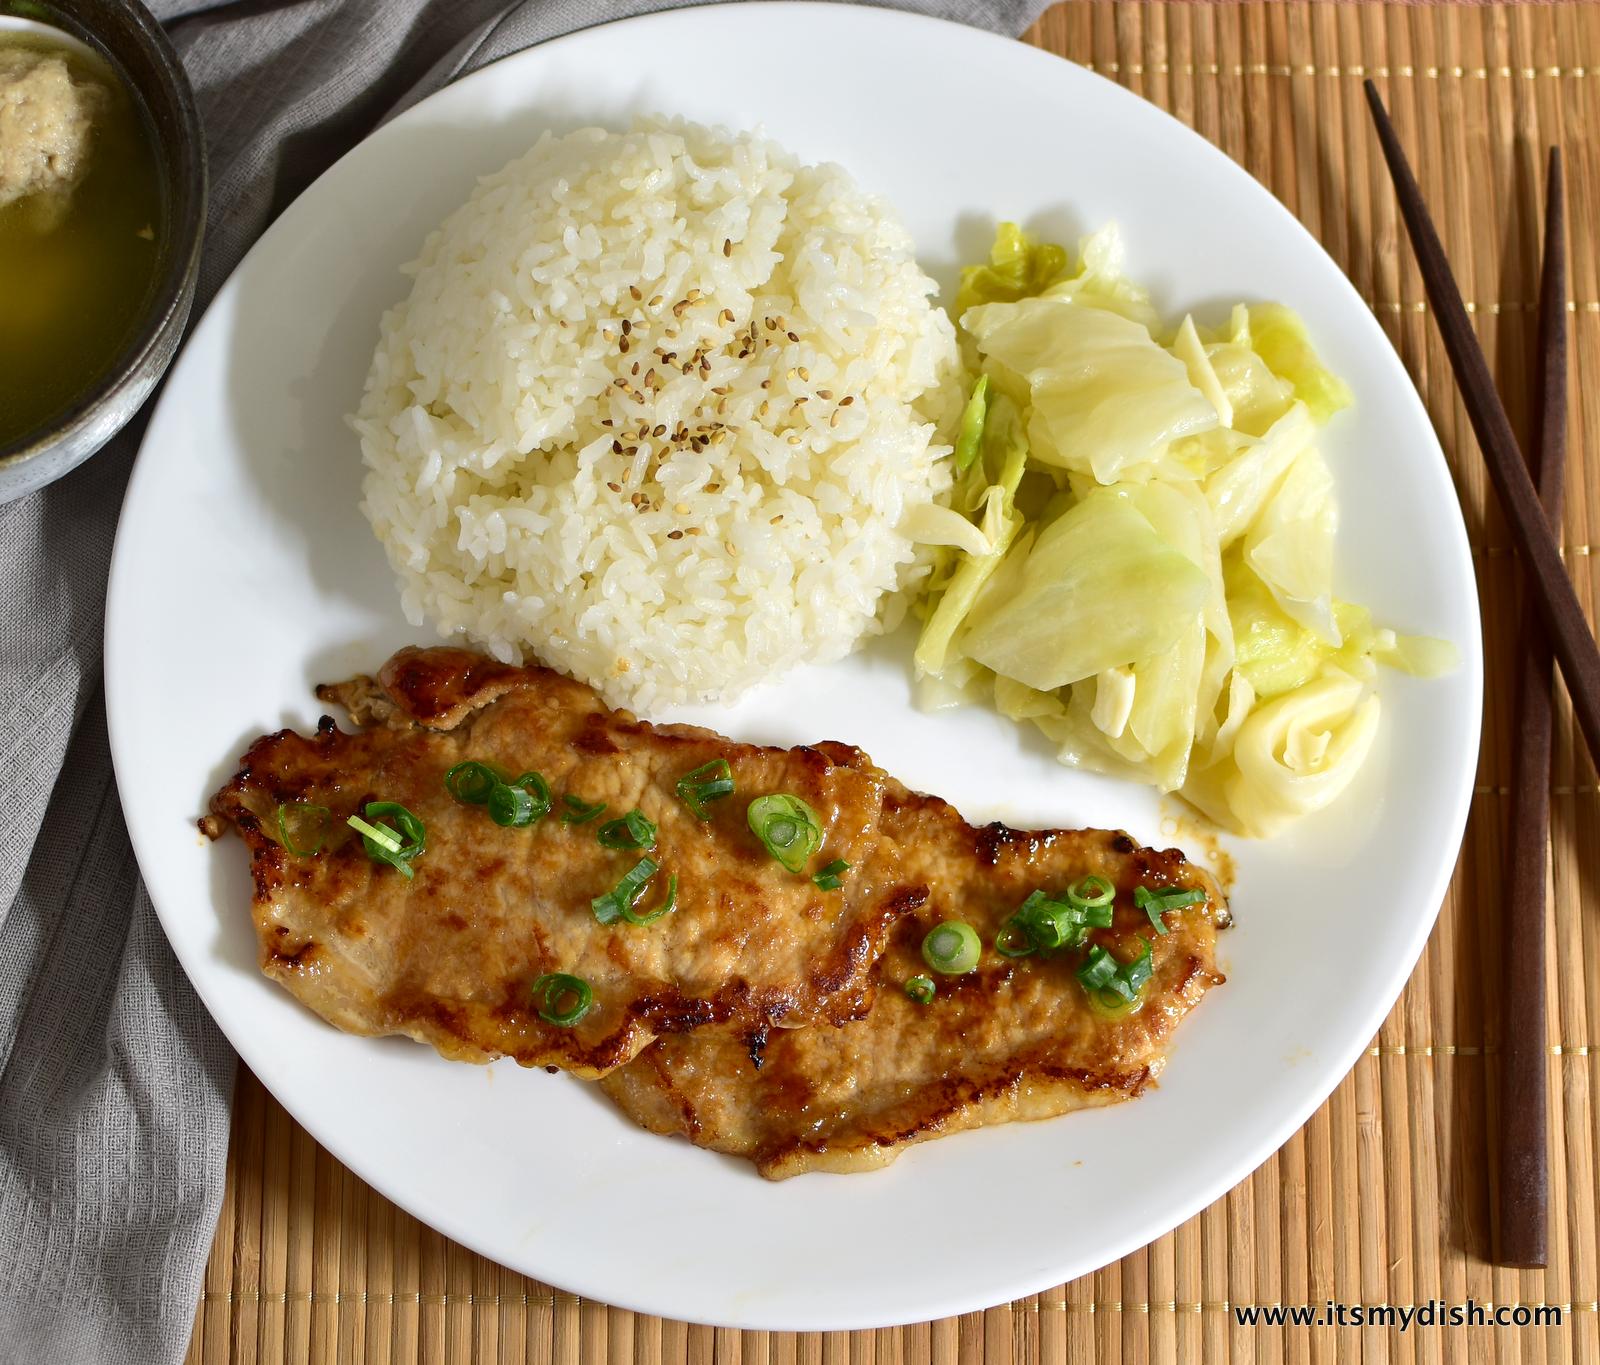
(1554, 621)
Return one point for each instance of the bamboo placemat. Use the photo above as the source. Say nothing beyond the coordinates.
(1382, 1198)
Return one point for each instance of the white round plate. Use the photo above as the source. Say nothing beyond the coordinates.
(244, 574)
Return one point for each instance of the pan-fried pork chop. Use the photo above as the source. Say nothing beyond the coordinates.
(450, 956)
(1016, 1039)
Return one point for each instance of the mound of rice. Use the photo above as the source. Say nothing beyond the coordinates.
(654, 411)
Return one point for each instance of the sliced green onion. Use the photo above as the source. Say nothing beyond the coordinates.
(536, 787)
(611, 907)
(952, 948)
(1136, 975)
(831, 878)
(310, 827)
(1013, 939)
(515, 805)
(580, 812)
(1107, 1004)
(665, 908)
(631, 831)
(562, 999)
(395, 844)
(1157, 903)
(709, 782)
(1050, 924)
(1103, 976)
(1091, 891)
(921, 989)
(787, 826)
(972, 420)
(471, 782)
(1099, 969)
(511, 807)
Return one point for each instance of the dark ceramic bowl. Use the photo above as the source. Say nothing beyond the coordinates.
(125, 32)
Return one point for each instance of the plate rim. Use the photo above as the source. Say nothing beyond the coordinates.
(1339, 1061)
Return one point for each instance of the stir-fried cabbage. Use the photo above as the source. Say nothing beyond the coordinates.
(1137, 556)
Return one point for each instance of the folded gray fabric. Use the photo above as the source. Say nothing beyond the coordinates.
(114, 1082)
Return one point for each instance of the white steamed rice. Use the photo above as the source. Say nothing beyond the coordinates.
(530, 502)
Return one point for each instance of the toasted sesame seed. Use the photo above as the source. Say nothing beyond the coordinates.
(627, 326)
(771, 325)
(623, 345)
(695, 531)
(798, 401)
(713, 487)
(833, 420)
(727, 246)
(847, 400)
(721, 390)
(775, 520)
(656, 300)
(605, 421)
(614, 487)
(764, 408)
(726, 315)
(805, 374)
(681, 508)
(635, 370)
(825, 394)
(791, 336)
(661, 429)
(616, 447)
(634, 290)
(674, 535)
(794, 440)
(766, 383)
(691, 296)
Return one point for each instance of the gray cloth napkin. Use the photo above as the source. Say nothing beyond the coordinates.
(114, 1082)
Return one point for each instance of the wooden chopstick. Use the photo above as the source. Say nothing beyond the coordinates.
(1522, 1236)
(1570, 638)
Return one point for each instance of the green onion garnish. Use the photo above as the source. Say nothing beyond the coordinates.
(1116, 984)
(709, 782)
(618, 902)
(1013, 940)
(562, 999)
(509, 806)
(665, 908)
(1099, 969)
(921, 989)
(972, 420)
(830, 878)
(471, 782)
(1091, 891)
(580, 812)
(302, 827)
(952, 948)
(385, 843)
(536, 787)
(787, 826)
(1157, 903)
(1042, 923)
(631, 831)
(520, 803)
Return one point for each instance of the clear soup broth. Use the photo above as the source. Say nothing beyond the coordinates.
(76, 266)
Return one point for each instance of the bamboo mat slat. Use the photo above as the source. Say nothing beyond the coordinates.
(1382, 1197)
